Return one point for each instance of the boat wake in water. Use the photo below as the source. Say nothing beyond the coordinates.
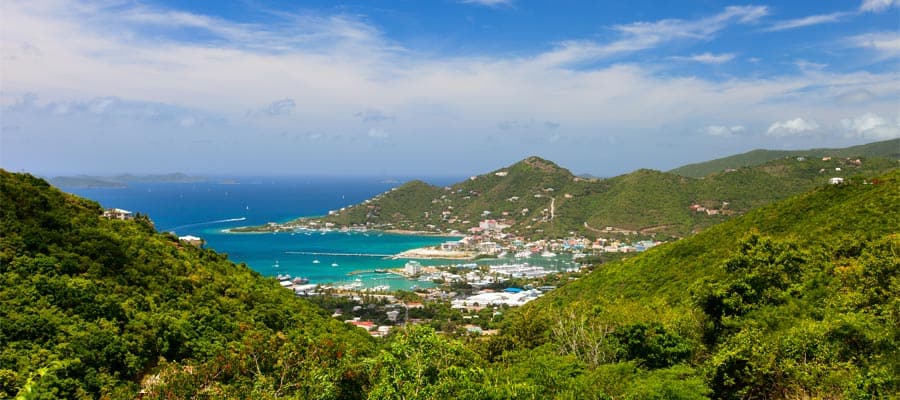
(219, 221)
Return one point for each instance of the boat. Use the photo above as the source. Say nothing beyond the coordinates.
(315, 261)
(380, 271)
(334, 264)
(300, 281)
(523, 254)
(548, 254)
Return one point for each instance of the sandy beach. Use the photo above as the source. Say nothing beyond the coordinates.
(432, 253)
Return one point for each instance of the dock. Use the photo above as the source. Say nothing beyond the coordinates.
(314, 253)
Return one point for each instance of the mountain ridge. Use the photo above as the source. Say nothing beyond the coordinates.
(882, 149)
(537, 197)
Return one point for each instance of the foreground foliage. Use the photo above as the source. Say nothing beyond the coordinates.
(93, 307)
(799, 299)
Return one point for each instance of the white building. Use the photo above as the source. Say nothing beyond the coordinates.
(118, 213)
(836, 181)
(412, 268)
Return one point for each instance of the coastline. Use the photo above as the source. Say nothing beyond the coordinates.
(285, 229)
(429, 253)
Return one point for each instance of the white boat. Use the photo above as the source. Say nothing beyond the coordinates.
(315, 261)
(523, 254)
(334, 264)
(548, 254)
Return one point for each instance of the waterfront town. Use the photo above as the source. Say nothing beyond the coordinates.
(483, 273)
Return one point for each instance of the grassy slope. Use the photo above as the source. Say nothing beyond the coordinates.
(884, 149)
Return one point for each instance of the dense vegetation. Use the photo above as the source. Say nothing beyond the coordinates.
(885, 149)
(94, 307)
(537, 198)
(798, 299)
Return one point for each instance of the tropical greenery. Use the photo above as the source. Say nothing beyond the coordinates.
(94, 307)
(885, 149)
(537, 198)
(796, 299)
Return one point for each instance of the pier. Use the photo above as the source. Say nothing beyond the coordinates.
(313, 253)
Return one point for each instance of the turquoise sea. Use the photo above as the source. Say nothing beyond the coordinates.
(208, 209)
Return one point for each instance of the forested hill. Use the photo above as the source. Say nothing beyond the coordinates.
(536, 197)
(93, 308)
(885, 149)
(797, 299)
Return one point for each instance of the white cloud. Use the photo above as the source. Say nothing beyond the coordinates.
(378, 133)
(373, 115)
(793, 127)
(723, 131)
(274, 109)
(878, 5)
(870, 126)
(646, 35)
(708, 58)
(337, 68)
(855, 96)
(886, 44)
(489, 3)
(806, 21)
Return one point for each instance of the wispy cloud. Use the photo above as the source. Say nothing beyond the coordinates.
(346, 82)
(708, 58)
(885, 44)
(489, 3)
(373, 115)
(806, 21)
(878, 5)
(723, 131)
(274, 109)
(646, 35)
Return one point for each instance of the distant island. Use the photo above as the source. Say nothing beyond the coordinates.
(120, 181)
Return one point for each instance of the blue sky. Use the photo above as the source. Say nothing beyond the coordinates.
(444, 87)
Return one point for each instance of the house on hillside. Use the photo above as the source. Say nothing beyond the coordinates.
(836, 181)
(118, 213)
(192, 240)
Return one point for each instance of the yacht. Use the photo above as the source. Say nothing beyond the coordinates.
(315, 261)
(334, 264)
(523, 254)
(548, 254)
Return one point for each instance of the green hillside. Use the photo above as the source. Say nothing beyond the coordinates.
(536, 197)
(797, 299)
(885, 149)
(93, 308)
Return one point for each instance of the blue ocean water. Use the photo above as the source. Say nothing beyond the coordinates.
(206, 209)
